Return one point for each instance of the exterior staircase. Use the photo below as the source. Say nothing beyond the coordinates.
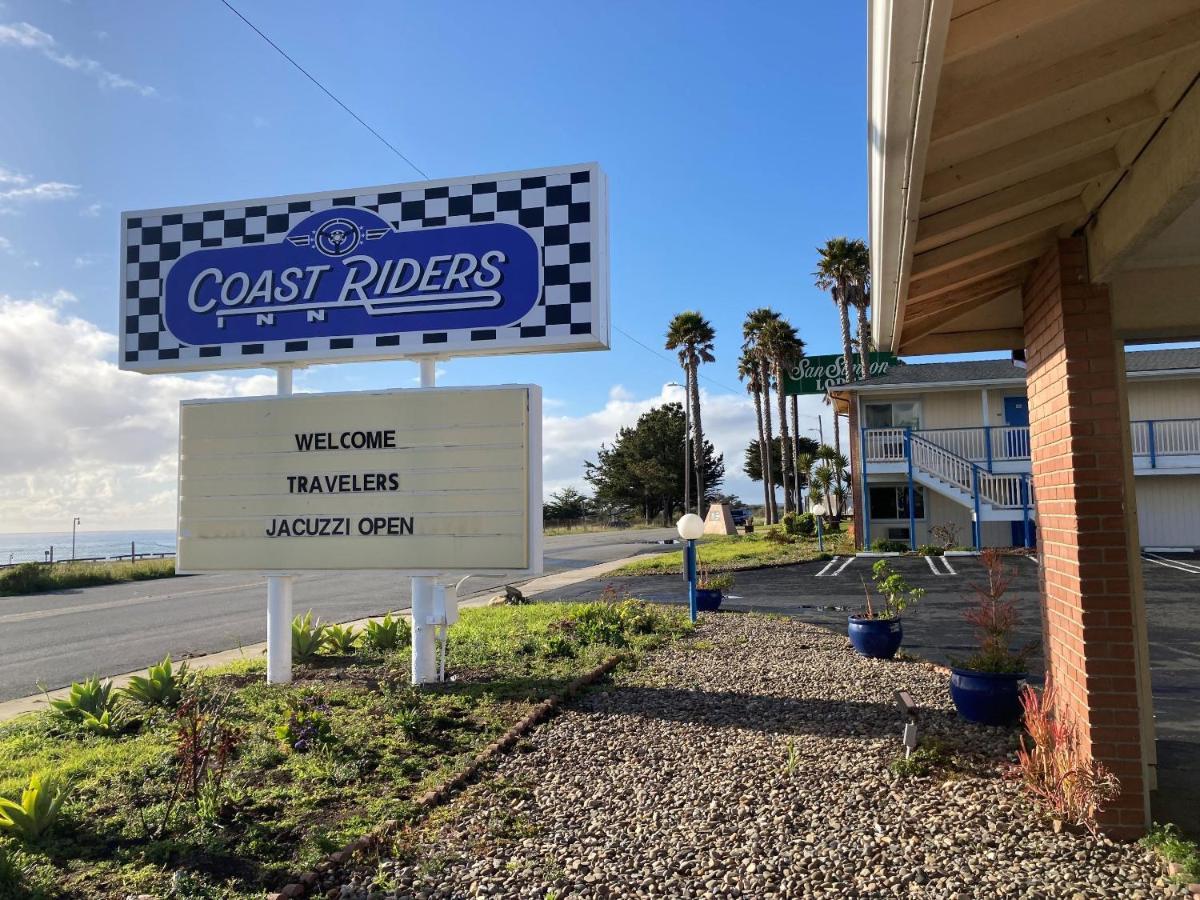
(994, 497)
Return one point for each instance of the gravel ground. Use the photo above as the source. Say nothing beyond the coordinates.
(751, 761)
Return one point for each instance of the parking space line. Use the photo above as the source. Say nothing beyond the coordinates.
(1177, 565)
(849, 560)
(829, 565)
(932, 567)
(949, 568)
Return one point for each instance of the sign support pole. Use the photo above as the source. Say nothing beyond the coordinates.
(424, 643)
(279, 590)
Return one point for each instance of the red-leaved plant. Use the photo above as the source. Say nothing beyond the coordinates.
(995, 621)
(1068, 787)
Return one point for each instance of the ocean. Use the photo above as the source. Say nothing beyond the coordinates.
(35, 547)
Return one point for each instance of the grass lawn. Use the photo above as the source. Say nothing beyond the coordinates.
(33, 578)
(359, 745)
(730, 553)
(551, 530)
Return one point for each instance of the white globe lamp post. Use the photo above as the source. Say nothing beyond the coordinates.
(690, 527)
(818, 510)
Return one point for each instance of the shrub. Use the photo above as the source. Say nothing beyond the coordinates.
(38, 809)
(882, 545)
(721, 582)
(799, 524)
(614, 622)
(90, 705)
(308, 637)
(995, 622)
(897, 593)
(388, 633)
(26, 578)
(1064, 783)
(341, 638)
(931, 550)
(945, 534)
(777, 535)
(308, 725)
(161, 686)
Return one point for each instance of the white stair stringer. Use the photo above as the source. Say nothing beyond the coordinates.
(987, 512)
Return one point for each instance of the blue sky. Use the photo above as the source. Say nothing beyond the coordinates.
(734, 144)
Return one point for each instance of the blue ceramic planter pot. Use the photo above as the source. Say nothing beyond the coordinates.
(987, 698)
(876, 638)
(708, 601)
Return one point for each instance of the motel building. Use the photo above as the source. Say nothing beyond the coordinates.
(1034, 186)
(944, 449)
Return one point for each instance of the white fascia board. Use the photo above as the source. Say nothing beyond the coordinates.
(933, 386)
(906, 42)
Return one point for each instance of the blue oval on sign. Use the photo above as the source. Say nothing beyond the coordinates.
(345, 271)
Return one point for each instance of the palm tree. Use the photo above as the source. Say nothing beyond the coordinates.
(783, 347)
(837, 465)
(843, 267)
(692, 335)
(804, 466)
(749, 372)
(752, 328)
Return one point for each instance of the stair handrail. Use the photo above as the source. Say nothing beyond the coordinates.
(1001, 490)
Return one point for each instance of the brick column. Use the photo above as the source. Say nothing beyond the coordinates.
(1091, 577)
(855, 471)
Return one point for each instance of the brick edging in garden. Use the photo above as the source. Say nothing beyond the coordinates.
(303, 884)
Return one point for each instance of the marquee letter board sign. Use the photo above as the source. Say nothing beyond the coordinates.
(488, 264)
(429, 480)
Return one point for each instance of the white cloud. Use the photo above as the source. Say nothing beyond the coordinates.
(91, 210)
(728, 421)
(6, 246)
(86, 439)
(16, 188)
(29, 37)
(84, 260)
(8, 176)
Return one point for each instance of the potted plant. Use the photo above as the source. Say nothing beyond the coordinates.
(877, 633)
(710, 588)
(986, 686)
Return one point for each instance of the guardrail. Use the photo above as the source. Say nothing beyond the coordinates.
(89, 559)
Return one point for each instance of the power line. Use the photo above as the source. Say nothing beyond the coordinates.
(328, 92)
(672, 362)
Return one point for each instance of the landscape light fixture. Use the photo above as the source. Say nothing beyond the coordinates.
(818, 510)
(908, 709)
(74, 522)
(690, 527)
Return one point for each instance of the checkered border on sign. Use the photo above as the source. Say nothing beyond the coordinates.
(558, 208)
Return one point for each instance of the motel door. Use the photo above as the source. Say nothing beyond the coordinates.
(1016, 416)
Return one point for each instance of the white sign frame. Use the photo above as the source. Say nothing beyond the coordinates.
(146, 345)
(534, 536)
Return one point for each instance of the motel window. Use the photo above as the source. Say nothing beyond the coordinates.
(898, 414)
(891, 502)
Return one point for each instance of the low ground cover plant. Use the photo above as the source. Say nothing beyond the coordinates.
(1183, 855)
(243, 783)
(883, 545)
(771, 546)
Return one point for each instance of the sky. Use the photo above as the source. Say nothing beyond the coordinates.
(733, 137)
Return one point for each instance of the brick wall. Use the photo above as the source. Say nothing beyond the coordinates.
(1078, 423)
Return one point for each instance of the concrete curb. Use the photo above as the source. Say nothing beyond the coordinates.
(445, 791)
(10, 709)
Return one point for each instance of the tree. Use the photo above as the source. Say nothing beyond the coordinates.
(565, 505)
(750, 372)
(834, 485)
(840, 268)
(752, 329)
(782, 346)
(692, 336)
(752, 460)
(643, 468)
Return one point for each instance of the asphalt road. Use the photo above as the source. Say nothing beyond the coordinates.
(825, 594)
(56, 638)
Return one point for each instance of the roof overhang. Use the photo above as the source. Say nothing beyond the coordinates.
(995, 128)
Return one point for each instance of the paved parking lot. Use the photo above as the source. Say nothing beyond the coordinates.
(826, 593)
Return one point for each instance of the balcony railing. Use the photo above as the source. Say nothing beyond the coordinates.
(1157, 443)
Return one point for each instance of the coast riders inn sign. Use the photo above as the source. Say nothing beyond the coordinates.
(416, 481)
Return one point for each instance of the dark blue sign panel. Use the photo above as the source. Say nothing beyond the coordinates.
(345, 271)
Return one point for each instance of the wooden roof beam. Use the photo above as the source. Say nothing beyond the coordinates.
(917, 327)
(1042, 149)
(995, 23)
(1002, 96)
(966, 342)
(1160, 185)
(984, 243)
(1011, 203)
(978, 269)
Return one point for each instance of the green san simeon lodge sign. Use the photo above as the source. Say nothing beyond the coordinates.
(817, 374)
